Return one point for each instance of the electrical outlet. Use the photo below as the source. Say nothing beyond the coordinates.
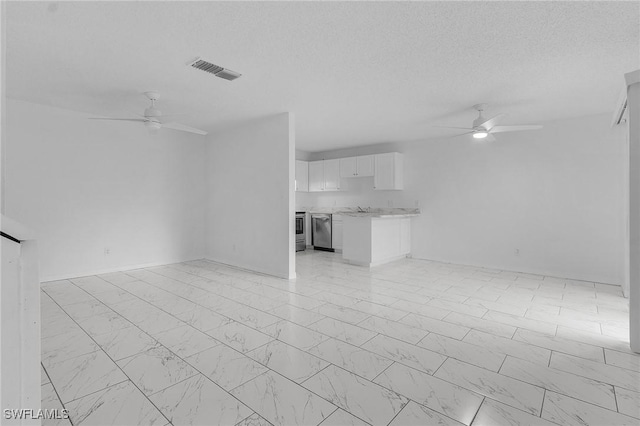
(107, 251)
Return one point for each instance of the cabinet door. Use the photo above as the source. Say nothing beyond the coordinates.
(384, 171)
(336, 234)
(331, 175)
(348, 167)
(364, 165)
(388, 171)
(302, 176)
(405, 235)
(316, 176)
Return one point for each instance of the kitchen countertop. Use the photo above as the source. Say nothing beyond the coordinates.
(379, 215)
(386, 212)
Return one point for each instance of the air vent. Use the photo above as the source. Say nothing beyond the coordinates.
(228, 74)
(214, 69)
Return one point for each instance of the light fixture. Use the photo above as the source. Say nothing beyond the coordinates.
(152, 126)
(480, 134)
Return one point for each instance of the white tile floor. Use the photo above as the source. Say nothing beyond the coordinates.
(409, 343)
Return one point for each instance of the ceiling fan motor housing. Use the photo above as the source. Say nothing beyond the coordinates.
(478, 121)
(152, 112)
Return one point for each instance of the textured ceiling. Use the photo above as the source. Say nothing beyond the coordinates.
(354, 73)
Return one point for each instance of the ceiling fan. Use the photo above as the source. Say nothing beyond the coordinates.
(154, 120)
(483, 128)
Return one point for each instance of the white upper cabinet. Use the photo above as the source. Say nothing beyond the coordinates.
(365, 164)
(388, 171)
(316, 176)
(324, 175)
(332, 175)
(361, 166)
(348, 167)
(302, 176)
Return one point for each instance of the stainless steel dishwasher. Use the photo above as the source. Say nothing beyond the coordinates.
(321, 231)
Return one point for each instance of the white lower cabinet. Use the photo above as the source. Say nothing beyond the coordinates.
(336, 232)
(371, 241)
(405, 235)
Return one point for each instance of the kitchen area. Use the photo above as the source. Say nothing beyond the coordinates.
(328, 219)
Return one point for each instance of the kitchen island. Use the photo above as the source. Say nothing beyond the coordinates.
(376, 237)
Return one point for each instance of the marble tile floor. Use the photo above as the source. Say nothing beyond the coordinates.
(409, 343)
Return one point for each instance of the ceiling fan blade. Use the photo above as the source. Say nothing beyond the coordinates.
(182, 127)
(179, 114)
(118, 119)
(161, 116)
(488, 124)
(459, 134)
(498, 129)
(449, 127)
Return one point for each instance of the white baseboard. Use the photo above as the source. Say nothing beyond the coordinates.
(378, 263)
(532, 271)
(85, 273)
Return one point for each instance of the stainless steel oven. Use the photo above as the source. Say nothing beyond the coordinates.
(301, 238)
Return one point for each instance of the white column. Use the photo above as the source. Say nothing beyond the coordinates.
(633, 102)
(292, 196)
(20, 325)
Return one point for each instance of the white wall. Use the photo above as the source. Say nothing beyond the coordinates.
(86, 185)
(250, 187)
(555, 194)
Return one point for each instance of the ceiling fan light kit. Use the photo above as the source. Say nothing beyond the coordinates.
(152, 126)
